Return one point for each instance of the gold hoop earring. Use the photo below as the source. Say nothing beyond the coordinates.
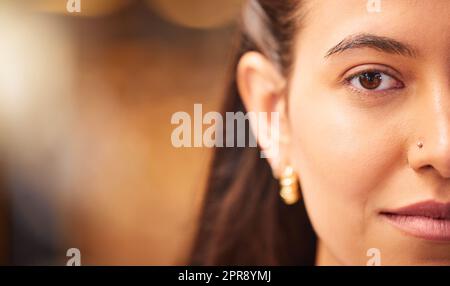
(289, 186)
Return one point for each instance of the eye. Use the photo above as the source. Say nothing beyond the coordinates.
(374, 81)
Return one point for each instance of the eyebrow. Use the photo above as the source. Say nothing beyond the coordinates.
(383, 44)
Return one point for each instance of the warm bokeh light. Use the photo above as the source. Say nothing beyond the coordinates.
(86, 159)
(201, 14)
(36, 70)
(89, 8)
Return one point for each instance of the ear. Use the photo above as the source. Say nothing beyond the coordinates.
(263, 92)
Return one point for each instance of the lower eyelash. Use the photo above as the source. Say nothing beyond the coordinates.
(367, 92)
(370, 98)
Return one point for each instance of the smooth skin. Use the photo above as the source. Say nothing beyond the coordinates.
(355, 148)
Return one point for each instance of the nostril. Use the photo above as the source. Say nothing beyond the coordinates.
(429, 169)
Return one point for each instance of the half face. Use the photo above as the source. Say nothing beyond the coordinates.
(369, 123)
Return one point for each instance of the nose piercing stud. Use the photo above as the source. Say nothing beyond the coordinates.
(420, 144)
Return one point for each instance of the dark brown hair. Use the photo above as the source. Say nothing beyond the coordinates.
(244, 221)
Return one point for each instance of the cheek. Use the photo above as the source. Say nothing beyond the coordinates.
(340, 149)
(343, 156)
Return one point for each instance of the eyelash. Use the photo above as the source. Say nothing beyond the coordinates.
(349, 79)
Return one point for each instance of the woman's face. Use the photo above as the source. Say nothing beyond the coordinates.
(366, 89)
(369, 127)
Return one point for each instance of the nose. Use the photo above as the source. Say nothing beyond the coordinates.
(431, 148)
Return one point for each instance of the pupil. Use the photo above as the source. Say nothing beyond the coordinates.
(370, 80)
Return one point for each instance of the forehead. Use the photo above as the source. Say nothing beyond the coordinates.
(423, 24)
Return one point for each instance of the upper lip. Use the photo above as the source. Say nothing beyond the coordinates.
(429, 209)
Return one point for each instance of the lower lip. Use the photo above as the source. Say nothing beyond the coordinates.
(421, 227)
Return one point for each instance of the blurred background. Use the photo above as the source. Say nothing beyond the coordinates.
(86, 99)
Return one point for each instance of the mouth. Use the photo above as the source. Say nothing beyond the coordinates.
(426, 220)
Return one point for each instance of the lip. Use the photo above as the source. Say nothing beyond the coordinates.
(428, 220)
